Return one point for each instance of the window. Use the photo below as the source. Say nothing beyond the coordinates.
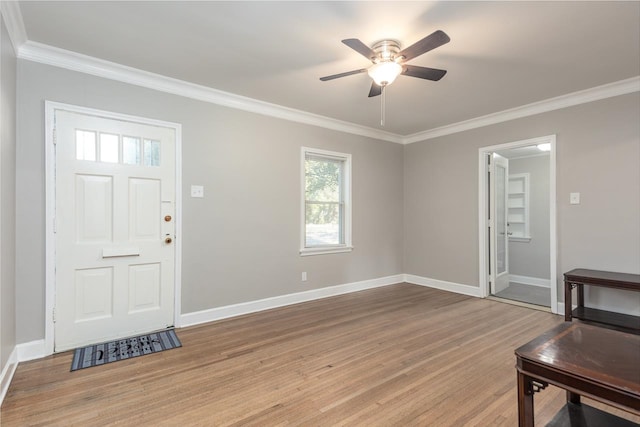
(130, 150)
(85, 145)
(326, 206)
(107, 148)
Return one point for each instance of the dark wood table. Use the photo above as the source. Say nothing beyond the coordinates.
(585, 360)
(579, 277)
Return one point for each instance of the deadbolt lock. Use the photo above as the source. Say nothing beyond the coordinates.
(167, 218)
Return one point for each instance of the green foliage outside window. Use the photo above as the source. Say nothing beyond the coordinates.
(322, 190)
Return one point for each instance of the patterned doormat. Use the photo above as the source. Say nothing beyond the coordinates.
(127, 348)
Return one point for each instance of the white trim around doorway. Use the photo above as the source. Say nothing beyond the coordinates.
(483, 152)
(50, 108)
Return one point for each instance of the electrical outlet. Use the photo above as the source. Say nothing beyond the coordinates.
(197, 191)
(304, 276)
(574, 198)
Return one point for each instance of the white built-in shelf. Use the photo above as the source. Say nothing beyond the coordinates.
(518, 207)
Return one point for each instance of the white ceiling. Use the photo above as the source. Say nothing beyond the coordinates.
(501, 55)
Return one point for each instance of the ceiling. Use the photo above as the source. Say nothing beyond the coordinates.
(502, 54)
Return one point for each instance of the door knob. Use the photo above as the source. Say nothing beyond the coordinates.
(167, 218)
(168, 240)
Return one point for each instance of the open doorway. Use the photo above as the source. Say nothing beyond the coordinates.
(517, 222)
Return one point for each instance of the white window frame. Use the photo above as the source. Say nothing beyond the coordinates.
(346, 182)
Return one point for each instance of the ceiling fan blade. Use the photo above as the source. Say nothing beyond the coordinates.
(375, 90)
(337, 76)
(432, 41)
(423, 72)
(360, 47)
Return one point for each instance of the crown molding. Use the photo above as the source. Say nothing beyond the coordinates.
(62, 58)
(57, 57)
(14, 22)
(597, 93)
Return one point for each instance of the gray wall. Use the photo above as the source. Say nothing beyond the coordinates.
(598, 155)
(7, 196)
(241, 242)
(531, 258)
(415, 207)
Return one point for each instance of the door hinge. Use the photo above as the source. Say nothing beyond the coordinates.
(55, 225)
(54, 314)
(55, 136)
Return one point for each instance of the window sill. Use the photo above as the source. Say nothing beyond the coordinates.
(325, 250)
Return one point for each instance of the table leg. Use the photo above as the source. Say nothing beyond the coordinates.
(573, 397)
(525, 401)
(567, 301)
(580, 288)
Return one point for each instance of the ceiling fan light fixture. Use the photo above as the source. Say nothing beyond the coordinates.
(384, 73)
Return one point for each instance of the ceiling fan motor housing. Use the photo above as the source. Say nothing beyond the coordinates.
(386, 50)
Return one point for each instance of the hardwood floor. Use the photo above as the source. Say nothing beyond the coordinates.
(399, 355)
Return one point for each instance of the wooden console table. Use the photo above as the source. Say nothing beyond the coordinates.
(587, 361)
(579, 277)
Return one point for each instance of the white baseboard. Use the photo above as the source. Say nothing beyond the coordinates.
(458, 288)
(31, 350)
(219, 313)
(560, 309)
(533, 281)
(7, 374)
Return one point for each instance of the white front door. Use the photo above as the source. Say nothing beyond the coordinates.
(500, 230)
(114, 228)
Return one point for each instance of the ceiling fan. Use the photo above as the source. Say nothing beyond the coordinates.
(389, 61)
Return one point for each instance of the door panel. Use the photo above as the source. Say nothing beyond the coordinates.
(499, 236)
(144, 287)
(94, 208)
(144, 205)
(115, 183)
(501, 220)
(94, 294)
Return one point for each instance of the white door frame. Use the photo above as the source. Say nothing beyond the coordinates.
(483, 206)
(50, 253)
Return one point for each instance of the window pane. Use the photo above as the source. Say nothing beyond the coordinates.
(324, 204)
(85, 145)
(130, 150)
(109, 145)
(323, 224)
(323, 179)
(151, 153)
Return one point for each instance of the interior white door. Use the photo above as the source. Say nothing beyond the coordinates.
(499, 178)
(114, 228)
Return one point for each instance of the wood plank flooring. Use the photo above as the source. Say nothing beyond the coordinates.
(400, 355)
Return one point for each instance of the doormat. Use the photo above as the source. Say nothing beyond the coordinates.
(122, 349)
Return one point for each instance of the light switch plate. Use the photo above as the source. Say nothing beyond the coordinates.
(197, 191)
(574, 198)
